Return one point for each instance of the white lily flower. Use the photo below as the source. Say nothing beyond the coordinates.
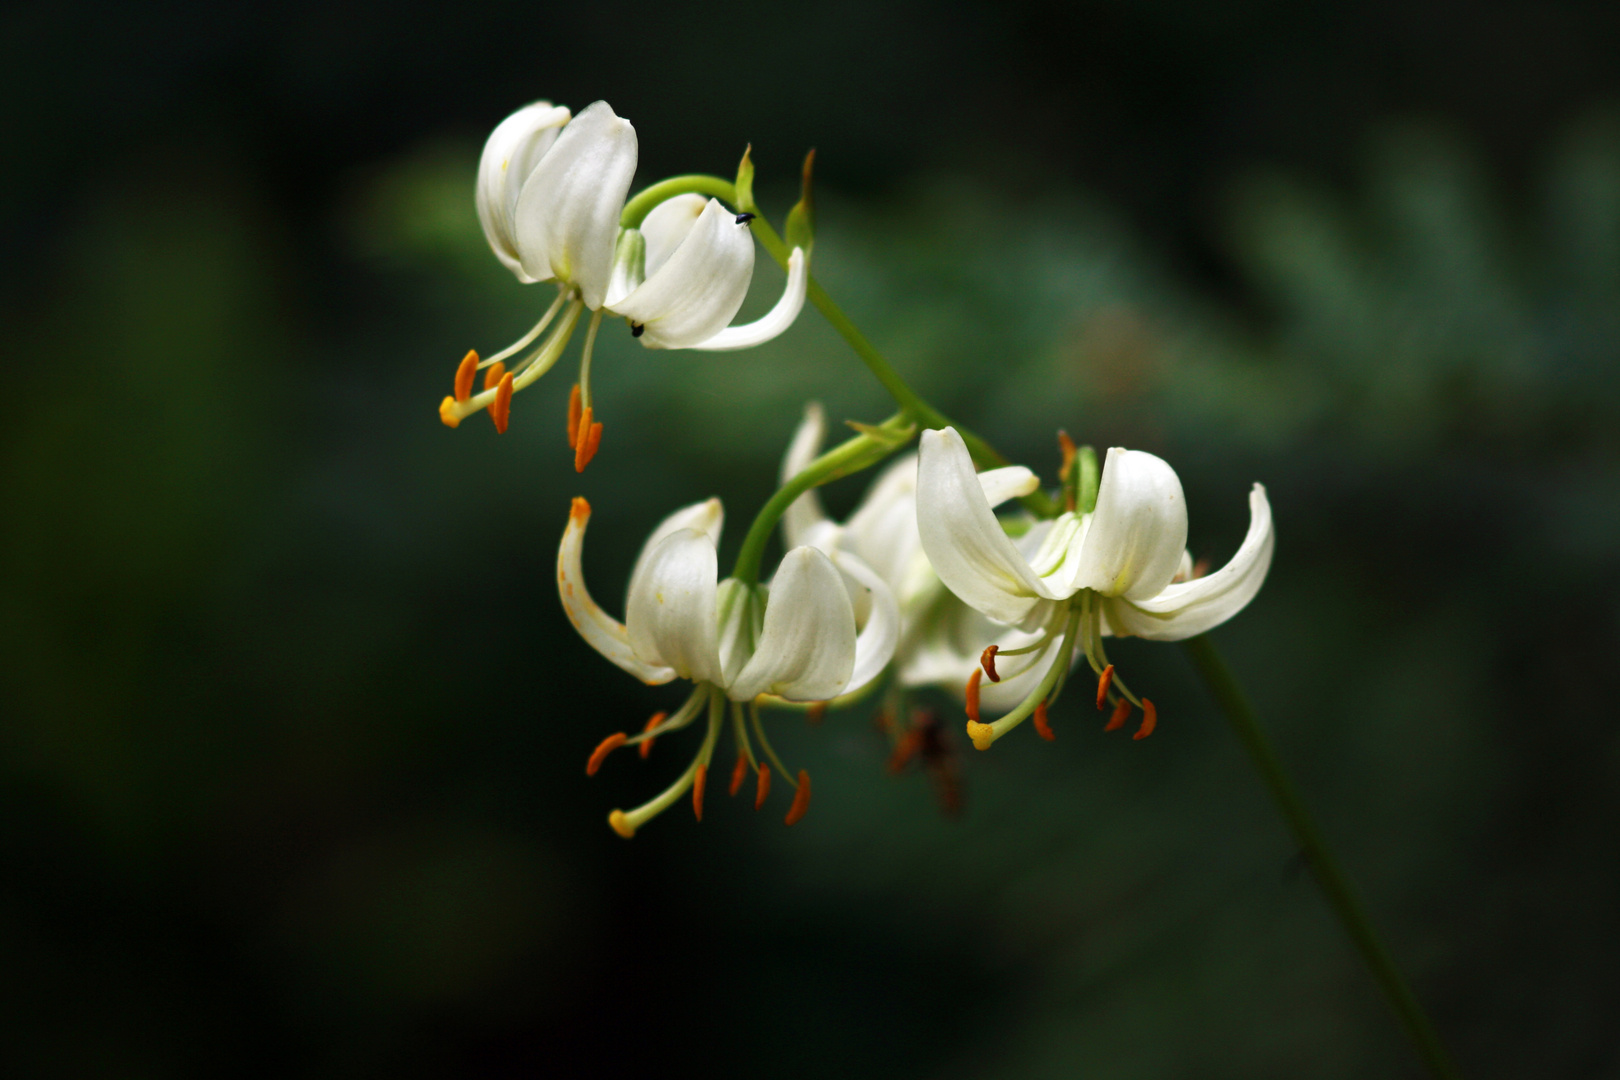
(940, 637)
(797, 638)
(1083, 575)
(551, 191)
(683, 282)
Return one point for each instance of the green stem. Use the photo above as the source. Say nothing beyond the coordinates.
(636, 210)
(861, 452)
(984, 455)
(1341, 895)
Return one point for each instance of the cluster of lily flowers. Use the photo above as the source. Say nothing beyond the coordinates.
(926, 584)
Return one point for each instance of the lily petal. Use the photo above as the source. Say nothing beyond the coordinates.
(876, 641)
(969, 550)
(567, 216)
(1133, 542)
(807, 647)
(698, 288)
(670, 616)
(806, 510)
(774, 321)
(666, 225)
(514, 148)
(707, 517)
(1191, 607)
(599, 629)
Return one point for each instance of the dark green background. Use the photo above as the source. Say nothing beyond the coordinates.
(293, 727)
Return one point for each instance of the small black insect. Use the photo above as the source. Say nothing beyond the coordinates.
(636, 329)
(743, 219)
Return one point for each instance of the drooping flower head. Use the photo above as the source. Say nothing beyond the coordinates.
(550, 194)
(1120, 568)
(797, 639)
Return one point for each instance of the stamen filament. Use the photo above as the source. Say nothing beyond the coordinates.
(683, 716)
(585, 360)
(765, 744)
(539, 328)
(745, 749)
(626, 824)
(452, 412)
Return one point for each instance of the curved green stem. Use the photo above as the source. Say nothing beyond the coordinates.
(1330, 876)
(861, 452)
(984, 455)
(636, 210)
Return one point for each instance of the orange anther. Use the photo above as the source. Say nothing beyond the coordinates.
(1042, 728)
(657, 718)
(1150, 720)
(1103, 682)
(1066, 445)
(904, 750)
(492, 377)
(801, 800)
(763, 785)
(816, 712)
(987, 660)
(737, 774)
(573, 415)
(500, 410)
(606, 747)
(973, 695)
(697, 790)
(464, 375)
(590, 437)
(1122, 712)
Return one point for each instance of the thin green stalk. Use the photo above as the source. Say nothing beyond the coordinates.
(1341, 895)
(861, 452)
(636, 210)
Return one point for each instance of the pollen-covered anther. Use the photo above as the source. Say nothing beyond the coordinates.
(574, 408)
(972, 695)
(1122, 712)
(465, 372)
(646, 747)
(739, 771)
(619, 822)
(762, 785)
(1150, 720)
(589, 437)
(801, 800)
(493, 376)
(1103, 682)
(698, 782)
(603, 749)
(500, 410)
(987, 660)
(1042, 728)
(816, 712)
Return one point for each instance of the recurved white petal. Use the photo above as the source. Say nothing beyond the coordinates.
(698, 288)
(1134, 540)
(1191, 607)
(512, 151)
(568, 212)
(599, 629)
(707, 517)
(883, 529)
(670, 617)
(1010, 482)
(807, 647)
(806, 510)
(774, 321)
(963, 540)
(667, 224)
(875, 643)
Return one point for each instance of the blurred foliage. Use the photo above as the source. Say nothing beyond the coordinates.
(290, 771)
